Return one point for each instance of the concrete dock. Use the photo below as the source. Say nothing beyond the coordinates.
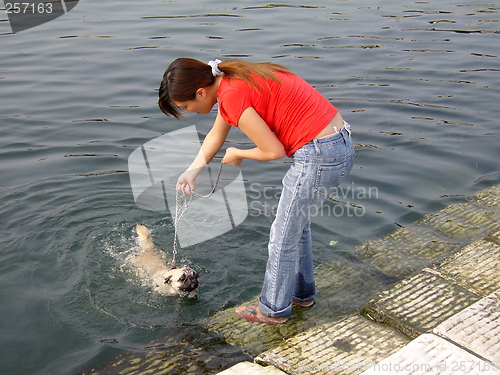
(424, 299)
(453, 321)
(441, 319)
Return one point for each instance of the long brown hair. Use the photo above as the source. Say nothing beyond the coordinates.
(185, 76)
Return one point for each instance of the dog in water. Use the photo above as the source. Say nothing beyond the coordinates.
(151, 266)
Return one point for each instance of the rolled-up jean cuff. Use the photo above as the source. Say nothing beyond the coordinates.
(308, 299)
(285, 313)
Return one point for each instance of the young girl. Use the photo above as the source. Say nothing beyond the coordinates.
(282, 115)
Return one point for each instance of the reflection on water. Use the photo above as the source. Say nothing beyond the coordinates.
(418, 82)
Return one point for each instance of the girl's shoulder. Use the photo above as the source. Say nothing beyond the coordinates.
(231, 85)
(232, 82)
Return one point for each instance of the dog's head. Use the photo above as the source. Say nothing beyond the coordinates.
(183, 279)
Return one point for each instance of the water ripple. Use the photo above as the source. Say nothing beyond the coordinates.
(194, 16)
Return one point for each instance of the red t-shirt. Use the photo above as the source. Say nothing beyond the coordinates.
(294, 111)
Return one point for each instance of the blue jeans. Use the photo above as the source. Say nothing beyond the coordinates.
(317, 167)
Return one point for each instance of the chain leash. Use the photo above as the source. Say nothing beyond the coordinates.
(182, 202)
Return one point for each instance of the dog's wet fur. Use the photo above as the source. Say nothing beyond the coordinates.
(151, 266)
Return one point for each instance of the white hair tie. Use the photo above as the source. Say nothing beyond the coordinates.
(215, 67)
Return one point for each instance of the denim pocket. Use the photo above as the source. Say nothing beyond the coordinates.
(328, 177)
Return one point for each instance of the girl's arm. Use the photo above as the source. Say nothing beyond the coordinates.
(268, 147)
(211, 145)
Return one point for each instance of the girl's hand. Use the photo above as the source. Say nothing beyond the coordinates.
(232, 156)
(186, 182)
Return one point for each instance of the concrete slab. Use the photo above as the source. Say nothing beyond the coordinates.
(477, 328)
(476, 267)
(193, 351)
(248, 368)
(418, 304)
(466, 220)
(430, 354)
(435, 237)
(489, 197)
(408, 250)
(348, 346)
(343, 288)
(495, 238)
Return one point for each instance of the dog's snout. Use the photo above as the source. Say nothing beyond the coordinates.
(193, 280)
(191, 283)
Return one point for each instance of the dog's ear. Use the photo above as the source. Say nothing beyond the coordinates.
(168, 280)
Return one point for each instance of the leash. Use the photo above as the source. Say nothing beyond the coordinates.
(182, 202)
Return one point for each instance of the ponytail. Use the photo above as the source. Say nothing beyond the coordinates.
(247, 71)
(185, 76)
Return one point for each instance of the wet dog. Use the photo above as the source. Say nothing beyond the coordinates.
(151, 266)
